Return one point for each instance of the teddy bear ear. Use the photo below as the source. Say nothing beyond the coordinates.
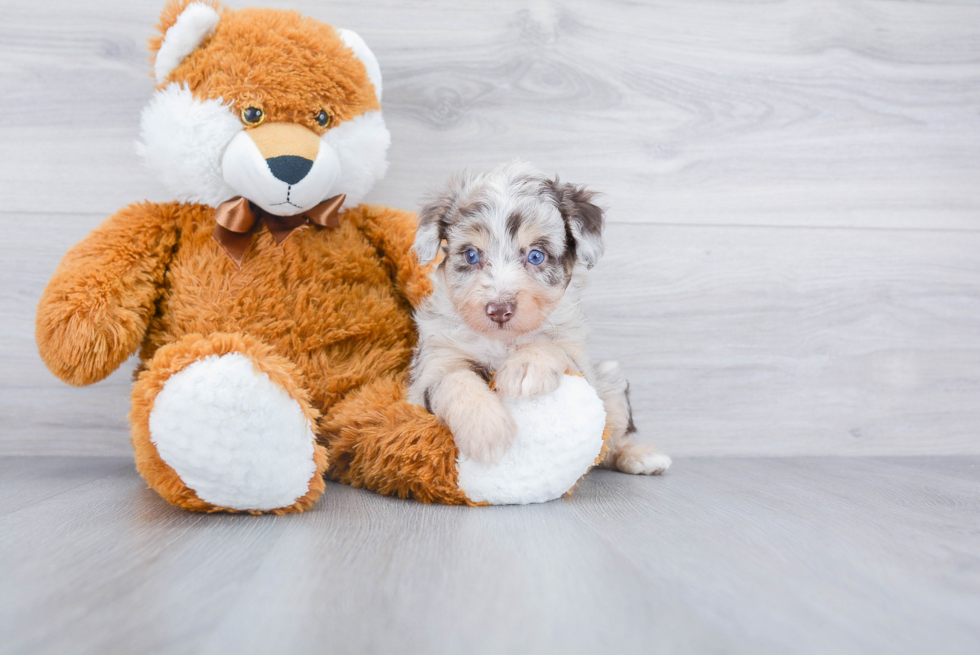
(184, 24)
(354, 41)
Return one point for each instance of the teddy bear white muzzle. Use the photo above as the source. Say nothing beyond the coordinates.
(286, 183)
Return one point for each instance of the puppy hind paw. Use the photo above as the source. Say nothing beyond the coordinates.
(642, 460)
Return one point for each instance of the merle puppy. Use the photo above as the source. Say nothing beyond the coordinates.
(507, 303)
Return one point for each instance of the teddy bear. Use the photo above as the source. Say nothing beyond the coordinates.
(271, 310)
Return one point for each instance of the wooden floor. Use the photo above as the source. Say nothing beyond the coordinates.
(721, 555)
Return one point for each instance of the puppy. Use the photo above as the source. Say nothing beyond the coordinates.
(506, 306)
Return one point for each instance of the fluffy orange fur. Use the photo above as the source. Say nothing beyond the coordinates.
(326, 314)
(281, 62)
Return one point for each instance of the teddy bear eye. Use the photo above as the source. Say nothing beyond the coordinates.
(252, 116)
(323, 118)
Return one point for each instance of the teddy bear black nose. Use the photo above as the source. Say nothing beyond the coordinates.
(289, 168)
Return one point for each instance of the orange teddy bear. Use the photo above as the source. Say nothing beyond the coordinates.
(271, 311)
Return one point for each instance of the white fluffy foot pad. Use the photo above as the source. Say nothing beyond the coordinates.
(640, 459)
(559, 436)
(233, 436)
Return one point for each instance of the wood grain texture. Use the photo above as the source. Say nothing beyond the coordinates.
(792, 187)
(794, 341)
(748, 341)
(803, 555)
(19, 478)
(785, 113)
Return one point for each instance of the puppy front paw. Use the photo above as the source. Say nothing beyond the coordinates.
(528, 376)
(484, 431)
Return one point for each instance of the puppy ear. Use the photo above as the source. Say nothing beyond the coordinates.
(584, 219)
(184, 25)
(435, 218)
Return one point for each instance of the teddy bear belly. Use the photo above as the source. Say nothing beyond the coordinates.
(324, 303)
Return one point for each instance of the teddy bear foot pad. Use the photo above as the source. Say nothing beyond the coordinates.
(233, 436)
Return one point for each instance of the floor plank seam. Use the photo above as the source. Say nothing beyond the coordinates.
(63, 491)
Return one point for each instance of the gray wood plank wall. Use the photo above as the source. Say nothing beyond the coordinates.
(793, 189)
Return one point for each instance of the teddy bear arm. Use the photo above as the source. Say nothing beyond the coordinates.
(392, 232)
(96, 308)
(377, 440)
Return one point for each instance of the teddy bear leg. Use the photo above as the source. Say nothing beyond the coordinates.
(221, 423)
(624, 453)
(377, 440)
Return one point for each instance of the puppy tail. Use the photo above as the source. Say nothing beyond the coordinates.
(609, 377)
(614, 390)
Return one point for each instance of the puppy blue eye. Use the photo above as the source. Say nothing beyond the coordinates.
(535, 257)
(472, 256)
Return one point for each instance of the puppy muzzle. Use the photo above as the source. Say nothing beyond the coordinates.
(501, 312)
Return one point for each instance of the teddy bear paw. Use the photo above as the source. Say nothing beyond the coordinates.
(233, 435)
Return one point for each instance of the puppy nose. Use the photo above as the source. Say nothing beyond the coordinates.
(289, 168)
(500, 312)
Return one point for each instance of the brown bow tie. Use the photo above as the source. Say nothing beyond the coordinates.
(237, 220)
